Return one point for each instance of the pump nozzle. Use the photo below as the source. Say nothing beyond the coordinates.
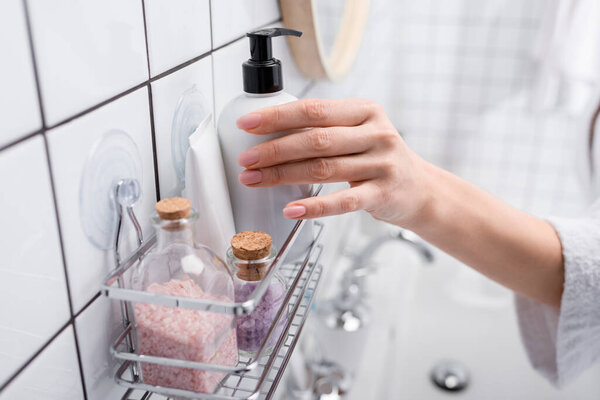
(260, 41)
(262, 72)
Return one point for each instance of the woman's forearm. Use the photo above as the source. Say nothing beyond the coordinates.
(511, 247)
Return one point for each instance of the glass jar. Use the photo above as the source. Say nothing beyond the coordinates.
(252, 329)
(177, 267)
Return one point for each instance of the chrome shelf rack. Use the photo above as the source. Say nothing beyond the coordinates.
(255, 378)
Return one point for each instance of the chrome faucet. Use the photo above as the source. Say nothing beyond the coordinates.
(347, 310)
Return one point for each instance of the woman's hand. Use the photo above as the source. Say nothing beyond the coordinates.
(353, 141)
(349, 140)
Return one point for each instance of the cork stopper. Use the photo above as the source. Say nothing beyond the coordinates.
(173, 208)
(251, 246)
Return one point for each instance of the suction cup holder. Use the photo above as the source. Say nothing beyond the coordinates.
(191, 110)
(109, 187)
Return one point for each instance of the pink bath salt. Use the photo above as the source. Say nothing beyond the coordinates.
(184, 334)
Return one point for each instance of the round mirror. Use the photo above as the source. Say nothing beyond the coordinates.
(332, 30)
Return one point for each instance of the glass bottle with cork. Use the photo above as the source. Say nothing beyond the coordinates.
(250, 257)
(178, 267)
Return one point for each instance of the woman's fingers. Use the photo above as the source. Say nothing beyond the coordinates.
(308, 113)
(344, 201)
(315, 170)
(315, 142)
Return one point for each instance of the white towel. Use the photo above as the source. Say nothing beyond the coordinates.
(563, 343)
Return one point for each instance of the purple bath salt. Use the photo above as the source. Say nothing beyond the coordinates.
(252, 329)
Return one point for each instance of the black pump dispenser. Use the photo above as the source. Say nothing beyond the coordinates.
(262, 72)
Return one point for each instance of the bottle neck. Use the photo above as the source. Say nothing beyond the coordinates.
(176, 232)
(251, 272)
(259, 95)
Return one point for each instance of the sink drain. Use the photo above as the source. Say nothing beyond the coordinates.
(450, 375)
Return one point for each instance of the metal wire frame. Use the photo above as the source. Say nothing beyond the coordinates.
(259, 382)
(293, 274)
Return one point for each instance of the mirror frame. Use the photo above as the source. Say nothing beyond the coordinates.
(309, 53)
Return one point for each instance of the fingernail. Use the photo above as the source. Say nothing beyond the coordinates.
(248, 157)
(294, 211)
(248, 121)
(250, 177)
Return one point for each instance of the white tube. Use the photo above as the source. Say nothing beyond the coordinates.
(206, 187)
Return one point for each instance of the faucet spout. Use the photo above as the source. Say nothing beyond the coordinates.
(403, 235)
(411, 238)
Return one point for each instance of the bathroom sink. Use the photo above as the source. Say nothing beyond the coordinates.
(449, 312)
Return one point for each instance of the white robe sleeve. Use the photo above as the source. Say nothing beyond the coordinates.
(563, 343)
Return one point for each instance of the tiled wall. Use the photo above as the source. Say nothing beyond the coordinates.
(70, 72)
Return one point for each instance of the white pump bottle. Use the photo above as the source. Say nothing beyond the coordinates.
(260, 209)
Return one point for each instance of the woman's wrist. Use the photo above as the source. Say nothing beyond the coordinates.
(428, 198)
(517, 250)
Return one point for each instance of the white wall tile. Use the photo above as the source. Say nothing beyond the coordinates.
(166, 94)
(97, 327)
(18, 99)
(227, 72)
(53, 375)
(70, 146)
(32, 279)
(177, 31)
(87, 52)
(233, 18)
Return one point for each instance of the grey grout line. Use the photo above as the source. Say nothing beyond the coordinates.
(146, 37)
(153, 137)
(87, 304)
(53, 190)
(36, 75)
(12, 377)
(21, 139)
(98, 105)
(244, 35)
(179, 67)
(151, 107)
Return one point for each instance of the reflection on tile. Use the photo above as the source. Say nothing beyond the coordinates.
(18, 98)
(233, 18)
(166, 94)
(177, 31)
(86, 52)
(53, 375)
(31, 268)
(96, 328)
(70, 146)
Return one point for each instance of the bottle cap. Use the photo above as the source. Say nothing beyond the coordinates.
(174, 208)
(262, 72)
(251, 245)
